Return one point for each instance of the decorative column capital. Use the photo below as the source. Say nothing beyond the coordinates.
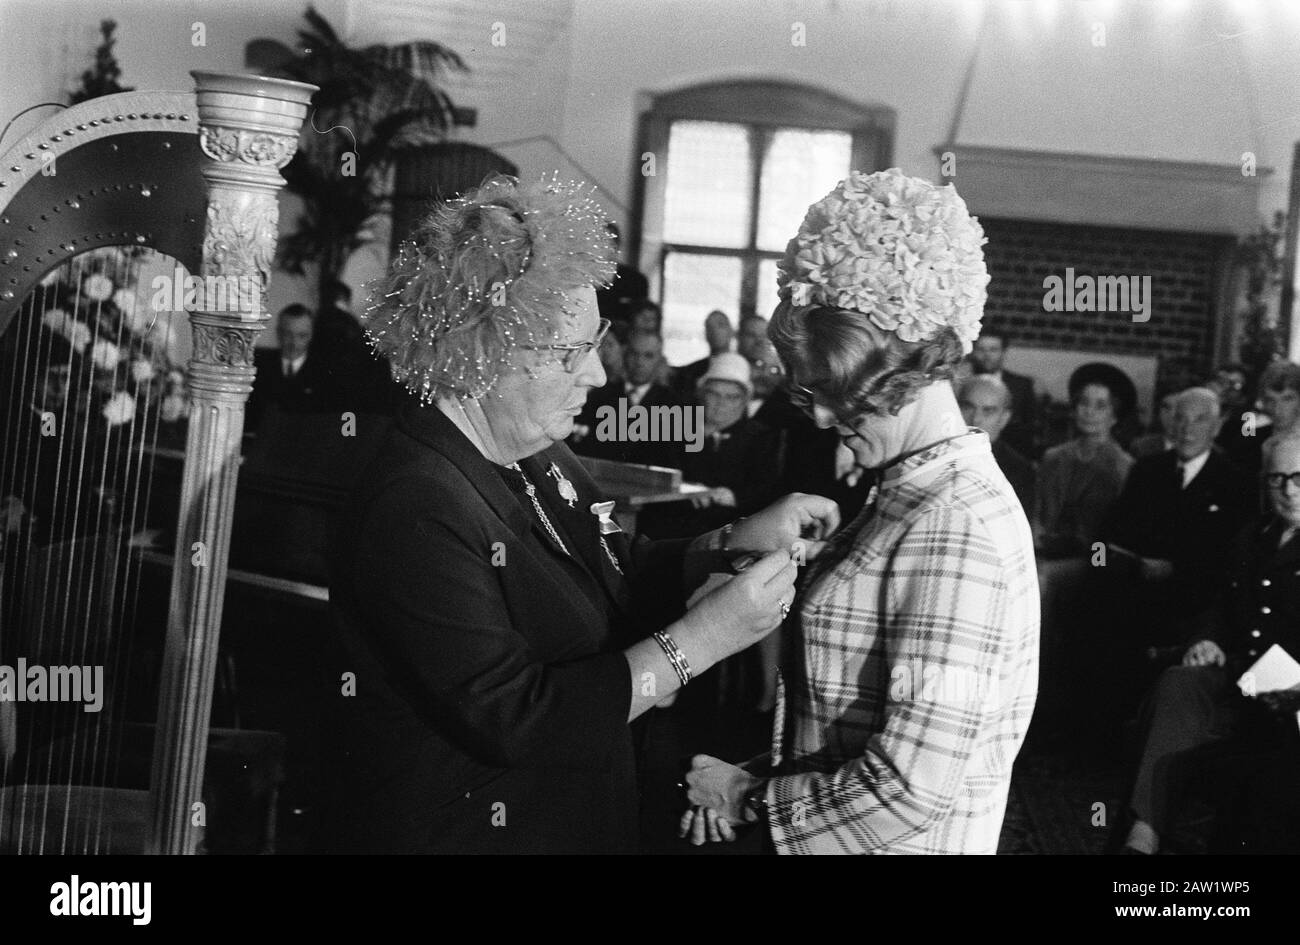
(249, 125)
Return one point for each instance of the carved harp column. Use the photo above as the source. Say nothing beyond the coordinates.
(248, 130)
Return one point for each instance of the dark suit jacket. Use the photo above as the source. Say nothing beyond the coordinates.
(1191, 527)
(628, 287)
(356, 379)
(648, 453)
(308, 391)
(1019, 472)
(1260, 601)
(686, 379)
(491, 702)
(1019, 431)
(742, 461)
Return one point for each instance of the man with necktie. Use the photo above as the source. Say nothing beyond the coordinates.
(289, 378)
(1167, 544)
(735, 460)
(642, 360)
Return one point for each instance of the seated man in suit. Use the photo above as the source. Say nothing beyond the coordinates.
(985, 402)
(986, 357)
(735, 461)
(1196, 707)
(642, 360)
(1167, 543)
(289, 377)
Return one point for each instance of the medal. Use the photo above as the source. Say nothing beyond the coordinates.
(604, 511)
(567, 492)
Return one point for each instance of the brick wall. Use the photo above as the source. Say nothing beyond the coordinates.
(1183, 269)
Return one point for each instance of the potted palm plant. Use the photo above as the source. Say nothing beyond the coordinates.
(373, 102)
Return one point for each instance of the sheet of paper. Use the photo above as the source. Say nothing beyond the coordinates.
(1276, 669)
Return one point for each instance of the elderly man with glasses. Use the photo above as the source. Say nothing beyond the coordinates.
(1205, 707)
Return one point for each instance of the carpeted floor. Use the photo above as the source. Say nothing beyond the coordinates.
(1061, 803)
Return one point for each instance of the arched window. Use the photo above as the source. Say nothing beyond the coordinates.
(725, 173)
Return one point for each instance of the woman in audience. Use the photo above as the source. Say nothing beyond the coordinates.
(1077, 484)
(1279, 397)
(1080, 480)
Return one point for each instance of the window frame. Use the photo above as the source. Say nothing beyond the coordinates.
(763, 106)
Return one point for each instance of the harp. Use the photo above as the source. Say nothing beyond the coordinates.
(193, 176)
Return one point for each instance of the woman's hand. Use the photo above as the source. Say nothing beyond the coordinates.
(714, 784)
(798, 517)
(703, 824)
(741, 611)
(719, 495)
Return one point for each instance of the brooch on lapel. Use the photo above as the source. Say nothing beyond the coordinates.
(604, 512)
(567, 492)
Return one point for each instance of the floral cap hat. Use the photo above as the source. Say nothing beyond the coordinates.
(896, 248)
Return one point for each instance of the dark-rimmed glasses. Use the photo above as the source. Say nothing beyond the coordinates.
(1279, 481)
(573, 354)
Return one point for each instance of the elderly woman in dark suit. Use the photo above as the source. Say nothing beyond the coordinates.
(498, 635)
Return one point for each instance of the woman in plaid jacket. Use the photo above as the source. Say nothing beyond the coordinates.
(912, 650)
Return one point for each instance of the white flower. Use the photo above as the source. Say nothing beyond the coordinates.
(56, 319)
(106, 355)
(896, 248)
(138, 318)
(173, 408)
(120, 409)
(78, 334)
(142, 371)
(97, 288)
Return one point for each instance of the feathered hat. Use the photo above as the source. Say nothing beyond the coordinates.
(483, 274)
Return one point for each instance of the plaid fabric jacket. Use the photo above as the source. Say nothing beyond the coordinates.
(911, 667)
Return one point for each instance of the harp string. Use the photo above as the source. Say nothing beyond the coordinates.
(93, 621)
(65, 559)
(138, 468)
(26, 489)
(24, 369)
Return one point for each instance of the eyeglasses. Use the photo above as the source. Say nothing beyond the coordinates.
(1279, 481)
(801, 396)
(761, 366)
(804, 399)
(573, 354)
